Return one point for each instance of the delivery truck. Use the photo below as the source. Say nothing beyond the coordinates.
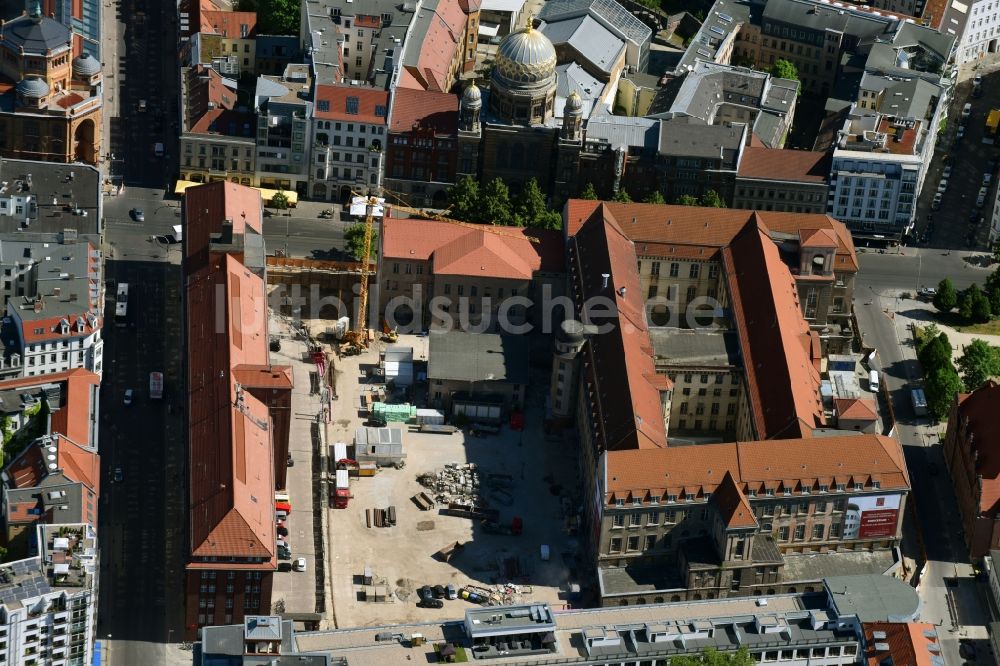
(342, 489)
(155, 385)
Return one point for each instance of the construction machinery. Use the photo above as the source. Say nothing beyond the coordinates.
(373, 206)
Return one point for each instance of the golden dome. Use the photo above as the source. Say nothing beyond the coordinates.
(525, 58)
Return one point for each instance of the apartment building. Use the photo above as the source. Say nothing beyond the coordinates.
(284, 125)
(875, 175)
(232, 435)
(53, 298)
(217, 141)
(349, 140)
(52, 112)
(443, 46)
(969, 457)
(695, 158)
(831, 626)
(48, 602)
(226, 41)
(442, 275)
(792, 181)
(745, 531)
(421, 152)
(55, 475)
(726, 94)
(679, 258)
(83, 18)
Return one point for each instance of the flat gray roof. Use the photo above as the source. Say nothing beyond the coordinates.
(63, 193)
(694, 348)
(478, 357)
(873, 598)
(689, 137)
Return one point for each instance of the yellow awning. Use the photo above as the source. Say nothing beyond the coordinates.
(293, 197)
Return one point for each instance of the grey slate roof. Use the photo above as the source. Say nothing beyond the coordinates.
(624, 131)
(873, 598)
(688, 137)
(470, 357)
(34, 36)
(613, 14)
(77, 185)
(590, 39)
(724, 18)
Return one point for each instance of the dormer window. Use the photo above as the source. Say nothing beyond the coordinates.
(654, 499)
(636, 501)
(823, 488)
(859, 486)
(689, 497)
(671, 499)
(876, 484)
(619, 502)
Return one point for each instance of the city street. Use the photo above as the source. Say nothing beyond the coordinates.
(949, 594)
(959, 222)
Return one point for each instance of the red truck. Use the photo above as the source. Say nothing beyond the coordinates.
(342, 489)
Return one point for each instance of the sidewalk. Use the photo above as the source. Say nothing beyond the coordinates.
(111, 30)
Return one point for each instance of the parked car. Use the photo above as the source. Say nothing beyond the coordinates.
(947, 172)
(127, 400)
(936, 203)
(284, 555)
(943, 185)
(987, 177)
(961, 134)
(300, 564)
(929, 292)
(451, 592)
(282, 531)
(431, 603)
(138, 215)
(438, 591)
(966, 111)
(978, 80)
(119, 475)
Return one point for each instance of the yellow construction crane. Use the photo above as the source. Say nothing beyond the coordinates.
(359, 336)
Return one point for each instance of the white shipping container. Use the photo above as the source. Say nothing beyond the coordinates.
(343, 482)
(429, 417)
(339, 452)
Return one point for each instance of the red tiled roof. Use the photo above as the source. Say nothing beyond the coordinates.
(909, 644)
(231, 467)
(855, 409)
(206, 207)
(733, 504)
(207, 97)
(436, 110)
(908, 137)
(471, 249)
(626, 404)
(817, 238)
(678, 470)
(50, 328)
(224, 122)
(264, 376)
(774, 338)
(698, 232)
(337, 96)
(228, 24)
(438, 48)
(806, 166)
(980, 408)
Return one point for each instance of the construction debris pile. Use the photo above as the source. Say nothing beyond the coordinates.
(455, 483)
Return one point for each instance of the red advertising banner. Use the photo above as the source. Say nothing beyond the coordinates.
(878, 523)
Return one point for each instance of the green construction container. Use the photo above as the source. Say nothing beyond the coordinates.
(394, 413)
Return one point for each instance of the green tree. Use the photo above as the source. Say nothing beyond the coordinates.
(981, 309)
(712, 657)
(996, 251)
(968, 300)
(464, 200)
(274, 17)
(978, 363)
(994, 296)
(354, 240)
(711, 199)
(655, 198)
(589, 192)
(622, 196)
(785, 69)
(531, 207)
(279, 201)
(686, 200)
(946, 298)
(940, 388)
(494, 204)
(936, 353)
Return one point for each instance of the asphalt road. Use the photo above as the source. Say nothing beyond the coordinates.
(140, 520)
(914, 268)
(958, 223)
(949, 596)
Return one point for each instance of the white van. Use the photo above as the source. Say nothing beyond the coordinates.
(873, 381)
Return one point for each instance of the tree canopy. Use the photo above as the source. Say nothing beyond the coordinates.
(464, 200)
(492, 204)
(946, 297)
(978, 363)
(711, 199)
(655, 198)
(940, 388)
(785, 69)
(274, 17)
(279, 201)
(686, 200)
(589, 192)
(974, 305)
(622, 196)
(354, 240)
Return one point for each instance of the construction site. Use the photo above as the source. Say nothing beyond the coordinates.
(491, 515)
(413, 501)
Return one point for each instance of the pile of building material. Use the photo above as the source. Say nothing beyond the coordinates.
(381, 517)
(453, 483)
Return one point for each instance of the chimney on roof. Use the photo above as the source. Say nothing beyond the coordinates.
(604, 284)
(56, 291)
(621, 292)
(39, 304)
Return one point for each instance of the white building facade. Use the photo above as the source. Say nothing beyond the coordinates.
(982, 32)
(49, 611)
(48, 345)
(349, 134)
